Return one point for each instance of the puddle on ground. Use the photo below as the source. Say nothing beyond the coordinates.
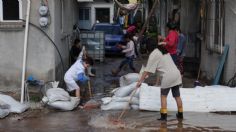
(103, 121)
(148, 122)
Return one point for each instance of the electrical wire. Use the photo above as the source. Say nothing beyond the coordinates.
(232, 81)
(55, 46)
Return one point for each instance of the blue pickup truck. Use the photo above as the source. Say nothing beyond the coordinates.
(113, 35)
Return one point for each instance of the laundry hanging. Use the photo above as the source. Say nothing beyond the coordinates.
(133, 4)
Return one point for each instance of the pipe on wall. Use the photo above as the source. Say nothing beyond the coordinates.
(25, 51)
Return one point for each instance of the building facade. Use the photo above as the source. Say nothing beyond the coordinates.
(42, 59)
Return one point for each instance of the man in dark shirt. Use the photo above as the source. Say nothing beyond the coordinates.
(74, 51)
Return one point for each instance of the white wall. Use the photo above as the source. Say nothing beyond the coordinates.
(94, 5)
(43, 61)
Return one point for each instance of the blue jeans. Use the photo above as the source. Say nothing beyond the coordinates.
(174, 58)
(128, 60)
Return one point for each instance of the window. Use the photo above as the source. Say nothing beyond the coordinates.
(84, 14)
(215, 23)
(103, 15)
(10, 10)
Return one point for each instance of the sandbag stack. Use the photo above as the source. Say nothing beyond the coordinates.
(128, 79)
(208, 99)
(58, 98)
(120, 99)
(10, 105)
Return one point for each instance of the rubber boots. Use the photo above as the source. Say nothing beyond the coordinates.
(163, 115)
(179, 115)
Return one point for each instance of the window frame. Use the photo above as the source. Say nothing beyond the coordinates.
(83, 10)
(20, 12)
(216, 44)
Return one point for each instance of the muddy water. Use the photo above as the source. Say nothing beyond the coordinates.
(97, 120)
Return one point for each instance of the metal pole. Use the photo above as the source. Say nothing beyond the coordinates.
(25, 51)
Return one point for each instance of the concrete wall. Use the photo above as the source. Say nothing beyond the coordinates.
(190, 25)
(210, 60)
(65, 15)
(42, 59)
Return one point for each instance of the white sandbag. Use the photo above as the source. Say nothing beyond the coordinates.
(149, 98)
(4, 113)
(128, 79)
(135, 107)
(136, 94)
(199, 99)
(215, 95)
(57, 94)
(4, 105)
(65, 105)
(116, 106)
(134, 100)
(114, 90)
(55, 84)
(106, 100)
(126, 90)
(45, 100)
(15, 106)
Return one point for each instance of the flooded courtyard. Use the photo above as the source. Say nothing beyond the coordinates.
(46, 119)
(97, 120)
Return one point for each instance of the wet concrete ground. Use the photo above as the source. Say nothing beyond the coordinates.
(100, 121)
(44, 120)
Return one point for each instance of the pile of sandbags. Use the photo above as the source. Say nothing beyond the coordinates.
(128, 79)
(9, 104)
(208, 98)
(58, 98)
(121, 98)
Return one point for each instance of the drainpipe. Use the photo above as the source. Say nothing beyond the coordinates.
(25, 51)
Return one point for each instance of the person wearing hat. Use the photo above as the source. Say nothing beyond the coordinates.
(161, 62)
(170, 42)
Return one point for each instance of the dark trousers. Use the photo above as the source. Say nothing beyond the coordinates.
(174, 58)
(128, 60)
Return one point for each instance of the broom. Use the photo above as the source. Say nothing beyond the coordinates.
(196, 82)
(118, 120)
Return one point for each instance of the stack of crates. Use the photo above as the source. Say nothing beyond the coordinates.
(94, 44)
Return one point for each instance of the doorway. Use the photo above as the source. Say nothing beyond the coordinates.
(84, 18)
(103, 15)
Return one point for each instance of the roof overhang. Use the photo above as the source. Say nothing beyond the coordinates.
(85, 0)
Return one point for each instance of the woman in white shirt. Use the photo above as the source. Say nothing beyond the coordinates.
(160, 60)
